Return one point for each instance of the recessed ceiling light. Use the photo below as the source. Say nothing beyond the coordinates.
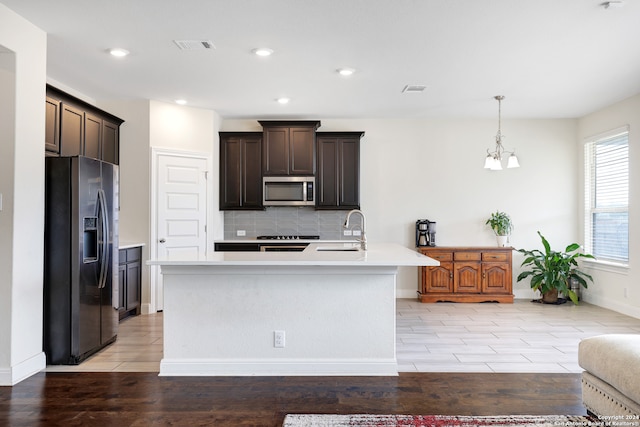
(118, 52)
(283, 100)
(346, 71)
(262, 51)
(181, 101)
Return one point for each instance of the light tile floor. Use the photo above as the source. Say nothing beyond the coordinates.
(521, 337)
(440, 337)
(137, 349)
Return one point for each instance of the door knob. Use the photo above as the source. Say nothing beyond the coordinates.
(162, 240)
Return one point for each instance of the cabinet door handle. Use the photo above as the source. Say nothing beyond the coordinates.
(450, 275)
(162, 240)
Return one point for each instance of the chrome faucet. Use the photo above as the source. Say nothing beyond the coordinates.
(363, 236)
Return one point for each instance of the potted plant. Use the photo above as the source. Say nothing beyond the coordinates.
(501, 224)
(552, 271)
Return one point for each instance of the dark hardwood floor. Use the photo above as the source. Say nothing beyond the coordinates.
(144, 399)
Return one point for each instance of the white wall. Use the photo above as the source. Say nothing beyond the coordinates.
(134, 169)
(414, 169)
(22, 81)
(7, 146)
(610, 284)
(153, 124)
(181, 128)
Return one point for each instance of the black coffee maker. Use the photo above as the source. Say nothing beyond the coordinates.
(425, 233)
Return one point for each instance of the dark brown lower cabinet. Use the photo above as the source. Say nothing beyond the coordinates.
(130, 281)
(467, 274)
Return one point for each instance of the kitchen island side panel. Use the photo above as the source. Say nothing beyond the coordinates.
(220, 320)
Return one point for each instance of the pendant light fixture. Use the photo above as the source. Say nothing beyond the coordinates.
(493, 160)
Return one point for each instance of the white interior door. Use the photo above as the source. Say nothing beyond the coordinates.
(181, 202)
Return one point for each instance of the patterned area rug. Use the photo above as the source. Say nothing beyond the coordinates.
(318, 420)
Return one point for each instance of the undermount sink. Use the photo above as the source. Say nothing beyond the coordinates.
(338, 248)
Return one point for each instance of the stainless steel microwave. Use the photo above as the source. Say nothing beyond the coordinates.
(288, 191)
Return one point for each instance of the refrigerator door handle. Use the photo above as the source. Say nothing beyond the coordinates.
(105, 239)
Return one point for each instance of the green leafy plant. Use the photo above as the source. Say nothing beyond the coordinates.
(500, 223)
(553, 270)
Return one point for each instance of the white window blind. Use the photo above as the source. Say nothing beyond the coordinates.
(607, 196)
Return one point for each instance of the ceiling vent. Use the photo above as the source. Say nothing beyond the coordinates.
(413, 89)
(194, 44)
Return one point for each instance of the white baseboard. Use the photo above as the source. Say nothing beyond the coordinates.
(407, 293)
(612, 305)
(269, 367)
(23, 370)
(146, 309)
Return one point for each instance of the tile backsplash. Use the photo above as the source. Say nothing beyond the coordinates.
(288, 221)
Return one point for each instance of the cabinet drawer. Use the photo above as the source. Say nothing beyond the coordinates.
(494, 256)
(129, 255)
(133, 254)
(467, 256)
(440, 256)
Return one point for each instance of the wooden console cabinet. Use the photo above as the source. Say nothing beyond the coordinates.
(467, 274)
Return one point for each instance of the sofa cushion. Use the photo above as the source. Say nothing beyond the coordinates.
(615, 359)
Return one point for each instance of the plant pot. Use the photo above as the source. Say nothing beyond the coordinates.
(502, 241)
(550, 297)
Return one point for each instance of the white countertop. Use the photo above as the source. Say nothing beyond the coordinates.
(290, 241)
(378, 254)
(128, 245)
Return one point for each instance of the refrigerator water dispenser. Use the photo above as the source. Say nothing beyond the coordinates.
(90, 240)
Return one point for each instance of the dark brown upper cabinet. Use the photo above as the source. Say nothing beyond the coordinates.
(110, 141)
(101, 138)
(52, 127)
(338, 178)
(76, 128)
(92, 136)
(241, 171)
(71, 131)
(288, 147)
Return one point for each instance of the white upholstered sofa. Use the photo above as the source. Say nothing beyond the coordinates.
(611, 376)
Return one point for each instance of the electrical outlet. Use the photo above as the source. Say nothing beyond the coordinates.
(241, 233)
(346, 232)
(278, 339)
(357, 232)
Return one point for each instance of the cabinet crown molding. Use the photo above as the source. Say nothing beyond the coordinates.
(289, 123)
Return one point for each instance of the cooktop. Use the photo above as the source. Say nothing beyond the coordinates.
(288, 237)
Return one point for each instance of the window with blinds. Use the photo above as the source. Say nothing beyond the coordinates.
(607, 196)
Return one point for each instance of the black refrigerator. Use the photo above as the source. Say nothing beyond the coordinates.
(81, 258)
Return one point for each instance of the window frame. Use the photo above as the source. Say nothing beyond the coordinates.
(590, 197)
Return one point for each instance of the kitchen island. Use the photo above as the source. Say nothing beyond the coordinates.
(328, 310)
